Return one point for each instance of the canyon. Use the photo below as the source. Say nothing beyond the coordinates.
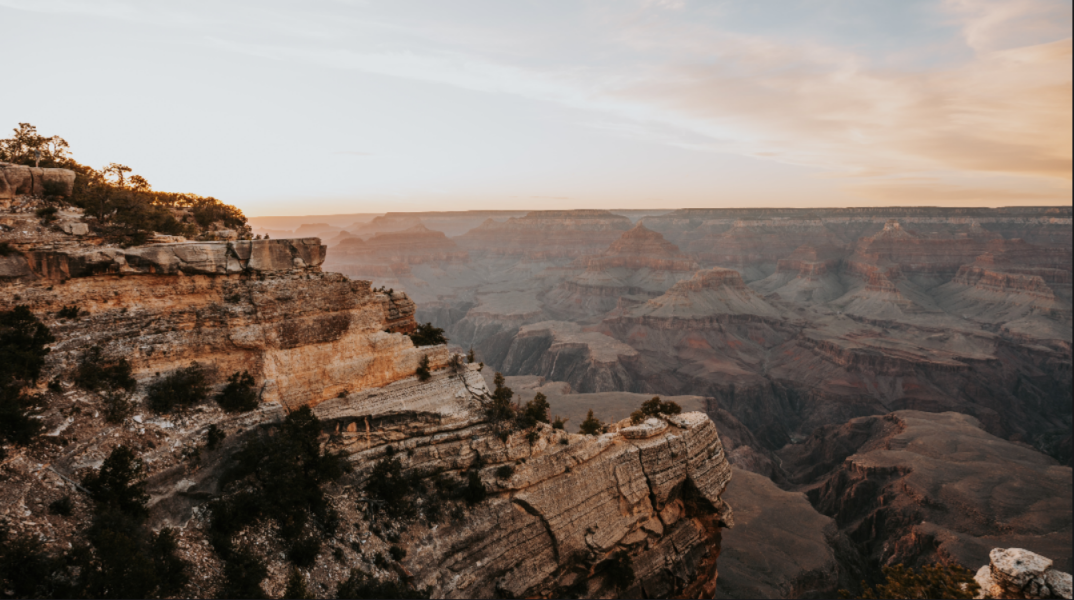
(787, 326)
(858, 388)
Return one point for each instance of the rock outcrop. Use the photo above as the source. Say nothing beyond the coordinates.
(1019, 573)
(189, 258)
(18, 180)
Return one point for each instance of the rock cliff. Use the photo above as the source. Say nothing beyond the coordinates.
(18, 180)
(559, 506)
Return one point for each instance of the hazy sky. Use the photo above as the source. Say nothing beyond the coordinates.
(338, 106)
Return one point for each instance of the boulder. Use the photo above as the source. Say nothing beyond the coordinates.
(17, 180)
(1019, 573)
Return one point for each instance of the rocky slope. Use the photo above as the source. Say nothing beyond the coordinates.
(913, 488)
(566, 505)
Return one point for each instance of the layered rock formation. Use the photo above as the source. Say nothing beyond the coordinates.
(863, 311)
(753, 246)
(570, 503)
(712, 295)
(640, 265)
(414, 245)
(809, 275)
(547, 234)
(562, 351)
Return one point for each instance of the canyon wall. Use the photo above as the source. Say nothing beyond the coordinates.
(567, 504)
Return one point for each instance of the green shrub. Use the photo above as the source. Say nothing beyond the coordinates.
(23, 345)
(280, 477)
(296, 587)
(474, 492)
(932, 581)
(62, 507)
(213, 436)
(121, 558)
(54, 190)
(390, 490)
(17, 425)
(654, 407)
(456, 364)
(117, 483)
(304, 550)
(47, 213)
(125, 559)
(501, 411)
(124, 207)
(117, 405)
(423, 372)
(68, 312)
(182, 389)
(244, 570)
(360, 585)
(591, 425)
(239, 394)
(559, 423)
(26, 569)
(95, 373)
(619, 570)
(427, 335)
(535, 411)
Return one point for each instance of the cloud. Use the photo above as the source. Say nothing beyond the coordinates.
(996, 112)
(918, 192)
(353, 153)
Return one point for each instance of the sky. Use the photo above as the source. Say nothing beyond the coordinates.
(340, 106)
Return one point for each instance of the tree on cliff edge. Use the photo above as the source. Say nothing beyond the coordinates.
(19, 149)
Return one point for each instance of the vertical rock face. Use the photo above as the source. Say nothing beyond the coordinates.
(17, 180)
(304, 336)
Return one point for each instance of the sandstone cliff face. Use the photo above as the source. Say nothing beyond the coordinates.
(321, 340)
(17, 180)
(569, 496)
